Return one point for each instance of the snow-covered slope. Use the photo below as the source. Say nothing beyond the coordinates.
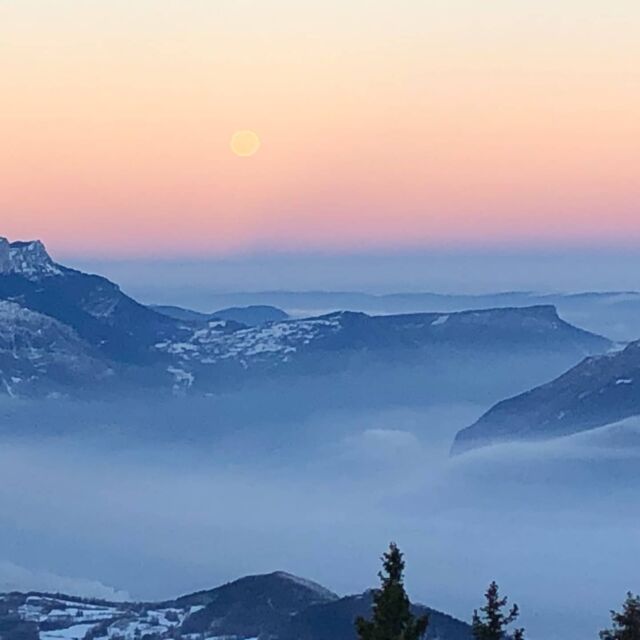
(38, 353)
(336, 340)
(529, 327)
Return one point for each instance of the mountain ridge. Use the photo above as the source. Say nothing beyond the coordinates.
(599, 390)
(274, 606)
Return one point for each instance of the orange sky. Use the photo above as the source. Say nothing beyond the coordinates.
(383, 125)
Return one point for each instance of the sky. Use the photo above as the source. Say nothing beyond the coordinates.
(382, 126)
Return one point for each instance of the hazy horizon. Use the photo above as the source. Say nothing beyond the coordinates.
(189, 282)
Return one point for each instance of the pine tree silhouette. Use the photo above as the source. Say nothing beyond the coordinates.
(392, 618)
(626, 624)
(493, 623)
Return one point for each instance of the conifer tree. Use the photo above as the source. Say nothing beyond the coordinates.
(626, 624)
(495, 618)
(392, 617)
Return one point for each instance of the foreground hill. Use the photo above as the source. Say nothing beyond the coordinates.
(600, 390)
(59, 327)
(277, 606)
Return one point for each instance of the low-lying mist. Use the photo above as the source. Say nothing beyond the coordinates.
(160, 497)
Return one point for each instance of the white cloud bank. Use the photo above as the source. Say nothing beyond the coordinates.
(16, 578)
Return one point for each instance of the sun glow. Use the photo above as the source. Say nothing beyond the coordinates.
(245, 143)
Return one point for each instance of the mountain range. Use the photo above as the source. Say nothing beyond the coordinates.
(615, 314)
(67, 332)
(276, 606)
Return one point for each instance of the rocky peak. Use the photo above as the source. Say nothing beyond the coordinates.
(5, 255)
(29, 259)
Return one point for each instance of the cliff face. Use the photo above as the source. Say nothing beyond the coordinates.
(29, 259)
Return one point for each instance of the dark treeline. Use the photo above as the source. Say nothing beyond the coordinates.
(392, 618)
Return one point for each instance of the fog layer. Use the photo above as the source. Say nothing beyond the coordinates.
(94, 494)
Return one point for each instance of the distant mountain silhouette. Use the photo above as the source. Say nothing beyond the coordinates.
(251, 316)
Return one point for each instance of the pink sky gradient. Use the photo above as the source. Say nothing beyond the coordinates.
(418, 124)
